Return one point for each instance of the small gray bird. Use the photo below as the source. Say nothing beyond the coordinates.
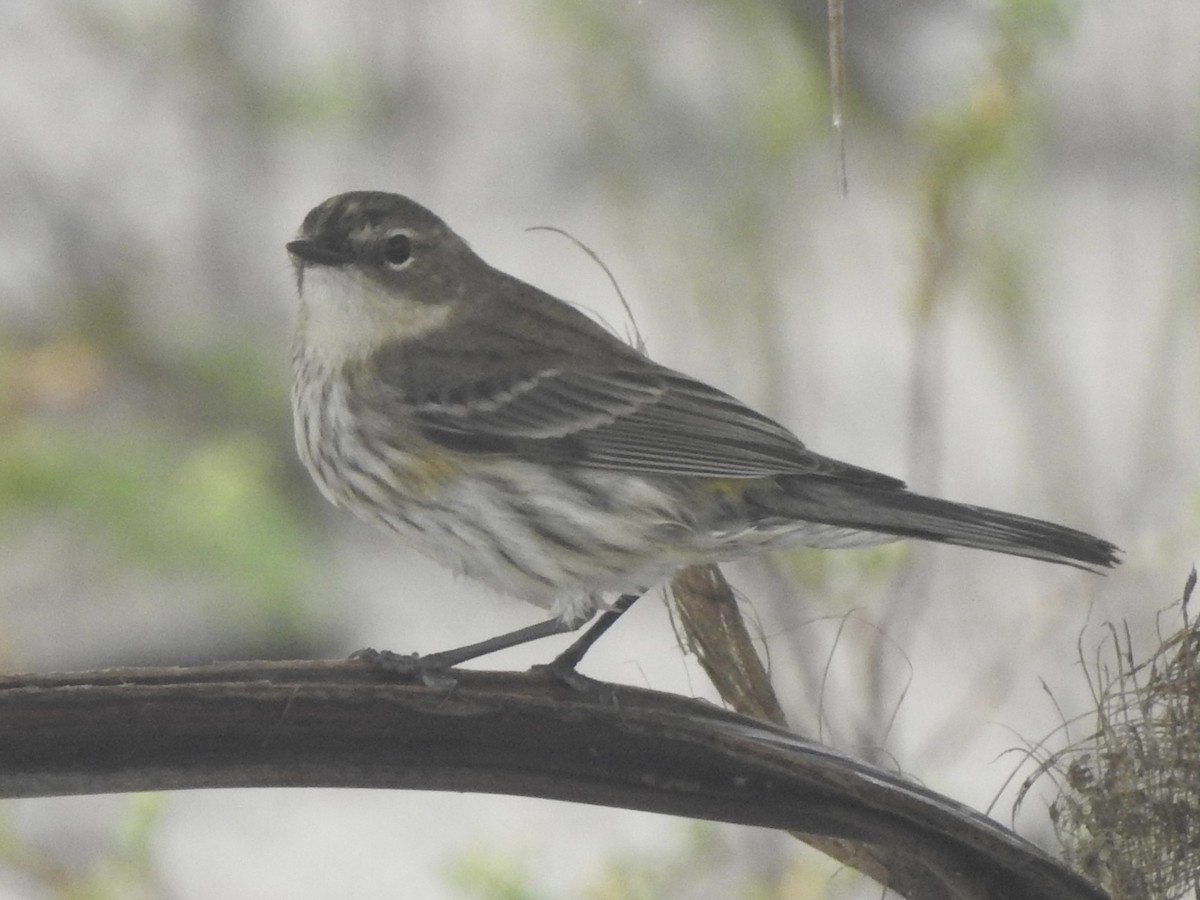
(502, 432)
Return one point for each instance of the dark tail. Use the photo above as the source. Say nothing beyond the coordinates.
(904, 514)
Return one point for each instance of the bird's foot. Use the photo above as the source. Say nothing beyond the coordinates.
(431, 671)
(561, 670)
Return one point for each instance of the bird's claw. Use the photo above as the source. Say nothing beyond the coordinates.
(429, 669)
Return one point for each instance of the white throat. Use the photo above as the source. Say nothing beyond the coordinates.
(344, 315)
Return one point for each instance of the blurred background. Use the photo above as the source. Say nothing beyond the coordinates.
(1002, 309)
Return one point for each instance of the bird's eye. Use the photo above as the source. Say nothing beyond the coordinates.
(397, 250)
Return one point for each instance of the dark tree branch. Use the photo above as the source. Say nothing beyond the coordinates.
(343, 724)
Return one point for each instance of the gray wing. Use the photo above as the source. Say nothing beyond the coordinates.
(636, 416)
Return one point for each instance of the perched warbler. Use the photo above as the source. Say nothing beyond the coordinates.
(504, 433)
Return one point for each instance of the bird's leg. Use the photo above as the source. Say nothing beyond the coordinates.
(448, 658)
(563, 665)
(427, 666)
(432, 667)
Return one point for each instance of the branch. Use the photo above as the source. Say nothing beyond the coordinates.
(345, 724)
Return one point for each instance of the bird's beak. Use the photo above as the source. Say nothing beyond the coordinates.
(314, 254)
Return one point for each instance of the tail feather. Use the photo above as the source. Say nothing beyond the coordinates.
(905, 514)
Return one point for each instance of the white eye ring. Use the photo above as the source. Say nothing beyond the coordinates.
(397, 250)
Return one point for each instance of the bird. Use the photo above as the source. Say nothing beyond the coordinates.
(511, 437)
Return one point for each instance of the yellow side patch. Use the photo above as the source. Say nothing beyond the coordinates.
(732, 488)
(427, 472)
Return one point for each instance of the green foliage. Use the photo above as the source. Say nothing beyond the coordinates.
(978, 145)
(122, 870)
(166, 501)
(703, 858)
(488, 874)
(642, 876)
